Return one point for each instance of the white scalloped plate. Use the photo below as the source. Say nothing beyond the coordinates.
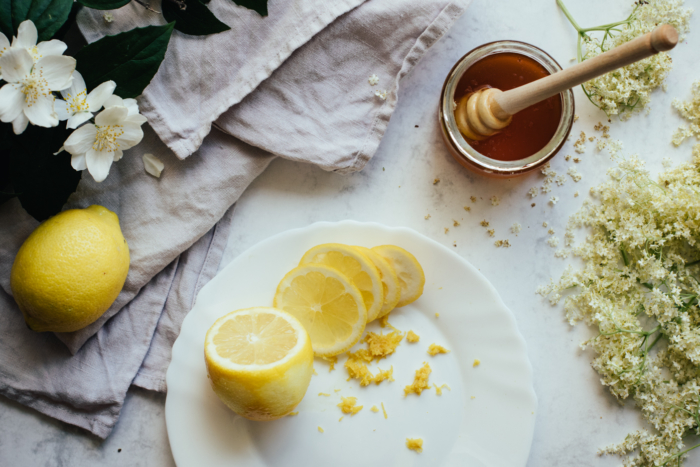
(487, 419)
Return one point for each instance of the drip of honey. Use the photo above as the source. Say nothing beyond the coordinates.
(532, 128)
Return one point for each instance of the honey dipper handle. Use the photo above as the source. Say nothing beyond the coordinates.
(661, 39)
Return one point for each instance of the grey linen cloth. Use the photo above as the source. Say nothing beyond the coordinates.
(316, 107)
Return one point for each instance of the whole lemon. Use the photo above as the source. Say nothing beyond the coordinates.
(70, 269)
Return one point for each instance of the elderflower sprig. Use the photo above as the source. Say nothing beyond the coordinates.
(640, 287)
(626, 90)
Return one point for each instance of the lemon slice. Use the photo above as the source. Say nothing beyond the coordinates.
(390, 282)
(259, 362)
(356, 266)
(408, 270)
(327, 304)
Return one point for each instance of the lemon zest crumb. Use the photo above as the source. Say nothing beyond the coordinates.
(420, 381)
(384, 410)
(332, 360)
(438, 389)
(324, 394)
(412, 337)
(341, 418)
(374, 409)
(415, 444)
(435, 349)
(348, 405)
(437, 315)
(477, 362)
(315, 371)
(320, 430)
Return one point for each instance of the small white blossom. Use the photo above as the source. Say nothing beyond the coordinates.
(373, 80)
(553, 200)
(533, 192)
(381, 93)
(574, 174)
(495, 201)
(690, 110)
(79, 106)
(553, 242)
(28, 95)
(108, 16)
(95, 146)
(516, 228)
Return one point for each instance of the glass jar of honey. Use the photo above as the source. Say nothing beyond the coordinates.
(535, 134)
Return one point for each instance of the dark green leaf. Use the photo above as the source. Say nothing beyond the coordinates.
(104, 4)
(258, 5)
(195, 20)
(130, 59)
(61, 33)
(48, 16)
(41, 180)
(6, 191)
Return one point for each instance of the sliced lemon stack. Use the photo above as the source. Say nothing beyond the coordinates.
(327, 303)
(390, 282)
(356, 266)
(259, 361)
(408, 270)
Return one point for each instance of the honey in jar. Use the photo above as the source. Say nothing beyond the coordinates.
(532, 128)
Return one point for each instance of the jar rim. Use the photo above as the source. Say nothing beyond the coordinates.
(469, 156)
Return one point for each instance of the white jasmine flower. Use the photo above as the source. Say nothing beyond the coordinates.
(108, 16)
(78, 105)
(27, 96)
(95, 146)
(153, 165)
(373, 80)
(381, 93)
(553, 200)
(26, 39)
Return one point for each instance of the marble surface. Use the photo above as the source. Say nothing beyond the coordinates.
(577, 415)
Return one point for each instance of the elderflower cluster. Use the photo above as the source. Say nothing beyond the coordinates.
(689, 110)
(628, 89)
(639, 287)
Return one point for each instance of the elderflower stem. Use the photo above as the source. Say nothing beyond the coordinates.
(568, 16)
(678, 455)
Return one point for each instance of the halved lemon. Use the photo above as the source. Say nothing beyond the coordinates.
(390, 282)
(259, 361)
(356, 266)
(408, 270)
(327, 304)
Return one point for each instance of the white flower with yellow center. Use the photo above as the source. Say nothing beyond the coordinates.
(27, 95)
(78, 105)
(27, 36)
(95, 146)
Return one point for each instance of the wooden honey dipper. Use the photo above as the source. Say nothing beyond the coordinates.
(489, 110)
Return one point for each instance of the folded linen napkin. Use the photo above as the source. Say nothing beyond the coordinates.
(163, 217)
(220, 69)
